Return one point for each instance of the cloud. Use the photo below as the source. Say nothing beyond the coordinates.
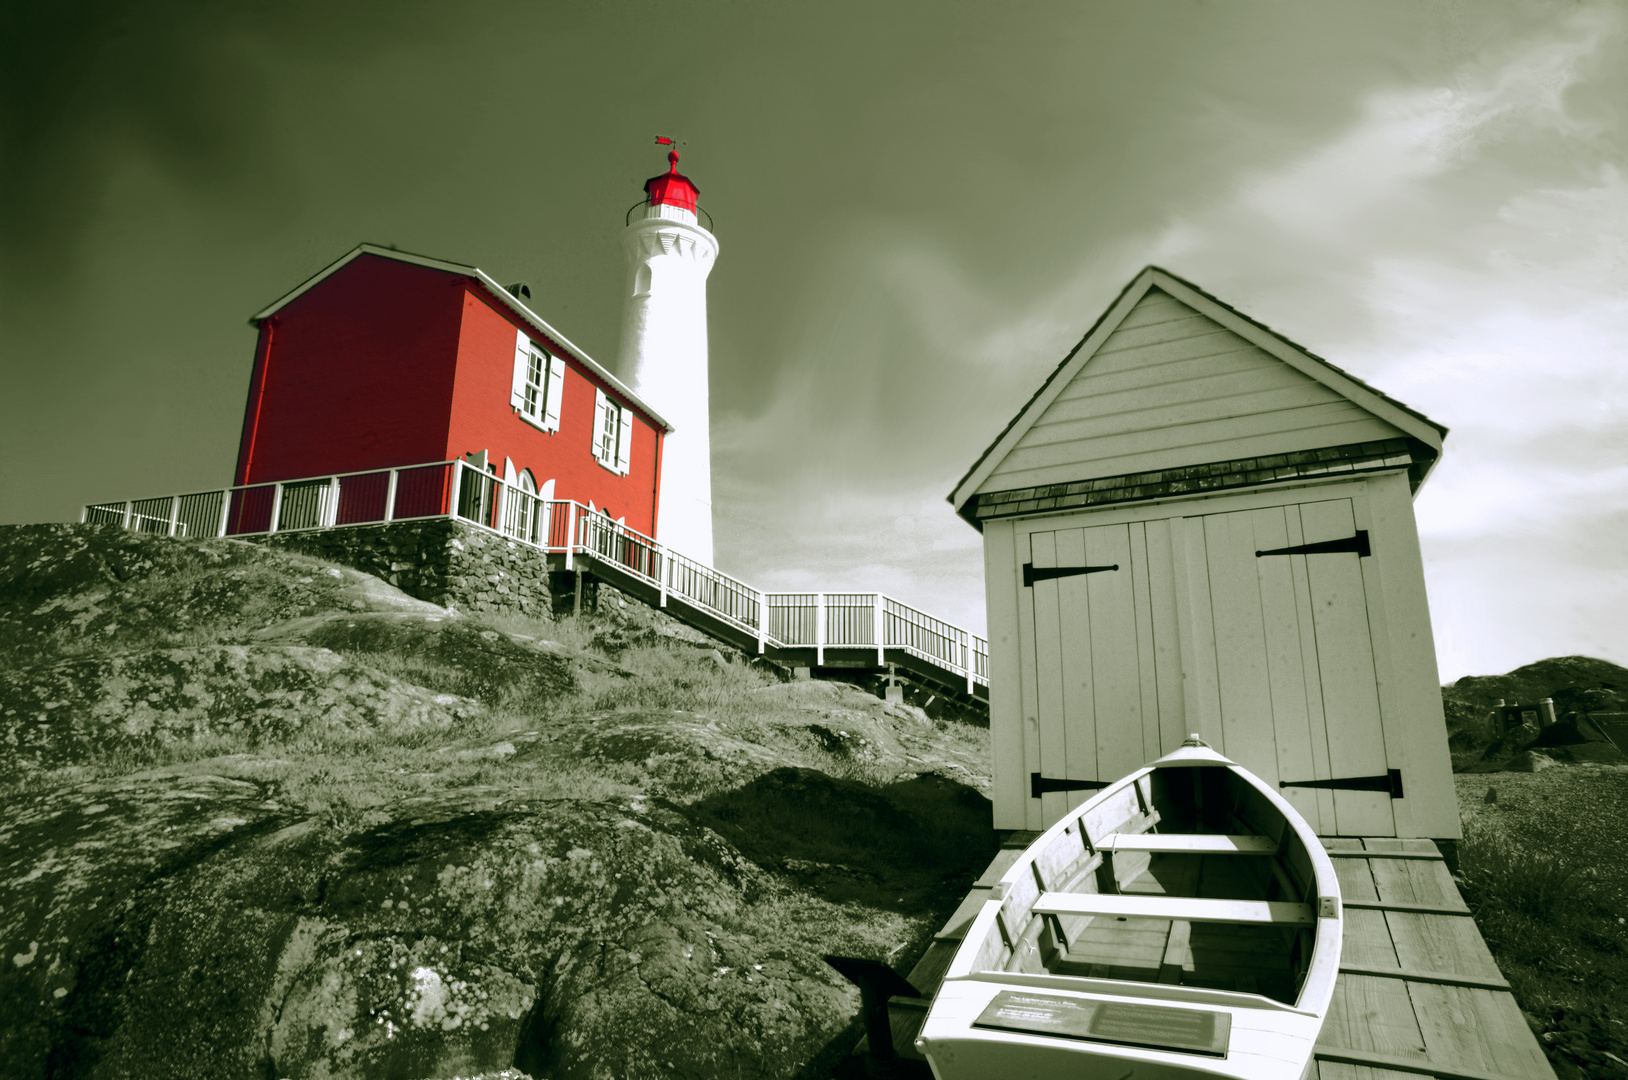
(1462, 243)
(1464, 247)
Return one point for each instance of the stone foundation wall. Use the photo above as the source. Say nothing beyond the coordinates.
(440, 560)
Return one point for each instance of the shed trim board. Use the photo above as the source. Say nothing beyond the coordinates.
(1401, 418)
(498, 292)
(1209, 478)
(1288, 664)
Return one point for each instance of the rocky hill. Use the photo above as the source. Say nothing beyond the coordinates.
(262, 815)
(1590, 697)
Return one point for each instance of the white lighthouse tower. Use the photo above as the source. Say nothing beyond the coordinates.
(664, 350)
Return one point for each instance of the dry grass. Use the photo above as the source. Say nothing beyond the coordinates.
(1543, 869)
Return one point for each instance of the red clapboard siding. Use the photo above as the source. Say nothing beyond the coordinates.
(358, 374)
(482, 419)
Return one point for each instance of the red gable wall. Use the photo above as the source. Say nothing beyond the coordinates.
(482, 419)
(355, 374)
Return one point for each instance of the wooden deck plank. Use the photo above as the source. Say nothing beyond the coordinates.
(955, 927)
(1375, 1014)
(1356, 879)
(1446, 978)
(1478, 1029)
(1367, 939)
(1412, 881)
(1406, 845)
(1339, 1070)
(1436, 943)
(1430, 909)
(928, 974)
(1411, 1068)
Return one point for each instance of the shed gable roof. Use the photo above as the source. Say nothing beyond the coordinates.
(498, 292)
(1170, 378)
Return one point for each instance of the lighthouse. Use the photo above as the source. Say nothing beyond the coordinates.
(663, 356)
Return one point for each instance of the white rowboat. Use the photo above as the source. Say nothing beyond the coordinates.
(1183, 922)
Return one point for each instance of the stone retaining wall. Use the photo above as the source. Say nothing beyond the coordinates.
(440, 560)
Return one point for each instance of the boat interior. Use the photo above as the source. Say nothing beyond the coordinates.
(1188, 875)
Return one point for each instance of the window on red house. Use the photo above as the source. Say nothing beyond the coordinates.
(539, 380)
(613, 434)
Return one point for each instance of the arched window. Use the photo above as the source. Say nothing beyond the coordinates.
(528, 483)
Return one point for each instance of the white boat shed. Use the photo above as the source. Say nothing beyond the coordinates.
(1197, 525)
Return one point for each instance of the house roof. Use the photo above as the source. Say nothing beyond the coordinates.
(497, 292)
(1410, 421)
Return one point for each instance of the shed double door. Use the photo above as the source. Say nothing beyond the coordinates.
(1141, 632)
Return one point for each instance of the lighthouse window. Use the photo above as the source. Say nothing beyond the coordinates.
(539, 380)
(613, 434)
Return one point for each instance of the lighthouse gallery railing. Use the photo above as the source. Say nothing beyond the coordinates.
(459, 490)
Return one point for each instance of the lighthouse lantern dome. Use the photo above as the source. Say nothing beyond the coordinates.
(672, 188)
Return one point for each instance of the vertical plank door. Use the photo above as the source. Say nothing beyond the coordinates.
(1293, 658)
(1092, 662)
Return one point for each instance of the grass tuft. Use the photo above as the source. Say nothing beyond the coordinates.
(1498, 871)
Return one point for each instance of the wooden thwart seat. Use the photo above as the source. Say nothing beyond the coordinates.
(1192, 843)
(1275, 912)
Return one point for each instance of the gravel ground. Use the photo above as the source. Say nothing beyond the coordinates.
(1577, 811)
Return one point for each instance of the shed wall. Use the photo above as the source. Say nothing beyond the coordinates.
(1300, 667)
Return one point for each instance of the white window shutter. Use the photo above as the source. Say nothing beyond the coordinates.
(556, 386)
(624, 441)
(522, 355)
(600, 405)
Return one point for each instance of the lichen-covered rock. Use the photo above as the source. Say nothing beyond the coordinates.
(77, 589)
(450, 654)
(266, 816)
(570, 940)
(75, 711)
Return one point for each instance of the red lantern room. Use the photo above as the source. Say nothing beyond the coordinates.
(672, 188)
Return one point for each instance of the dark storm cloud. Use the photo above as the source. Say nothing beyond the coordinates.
(921, 208)
(186, 84)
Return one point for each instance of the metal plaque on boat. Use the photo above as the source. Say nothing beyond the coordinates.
(1157, 1027)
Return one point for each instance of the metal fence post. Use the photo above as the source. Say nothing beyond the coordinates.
(457, 485)
(665, 572)
(762, 621)
(570, 534)
(330, 513)
(877, 621)
(276, 505)
(129, 512)
(819, 629)
(966, 656)
(225, 512)
(390, 498)
(175, 513)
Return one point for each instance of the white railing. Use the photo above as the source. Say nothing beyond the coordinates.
(458, 489)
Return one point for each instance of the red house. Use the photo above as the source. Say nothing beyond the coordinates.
(386, 359)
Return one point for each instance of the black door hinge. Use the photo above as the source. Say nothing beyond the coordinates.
(1390, 782)
(1357, 543)
(1045, 573)
(1039, 785)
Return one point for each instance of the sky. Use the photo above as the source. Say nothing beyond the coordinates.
(921, 207)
